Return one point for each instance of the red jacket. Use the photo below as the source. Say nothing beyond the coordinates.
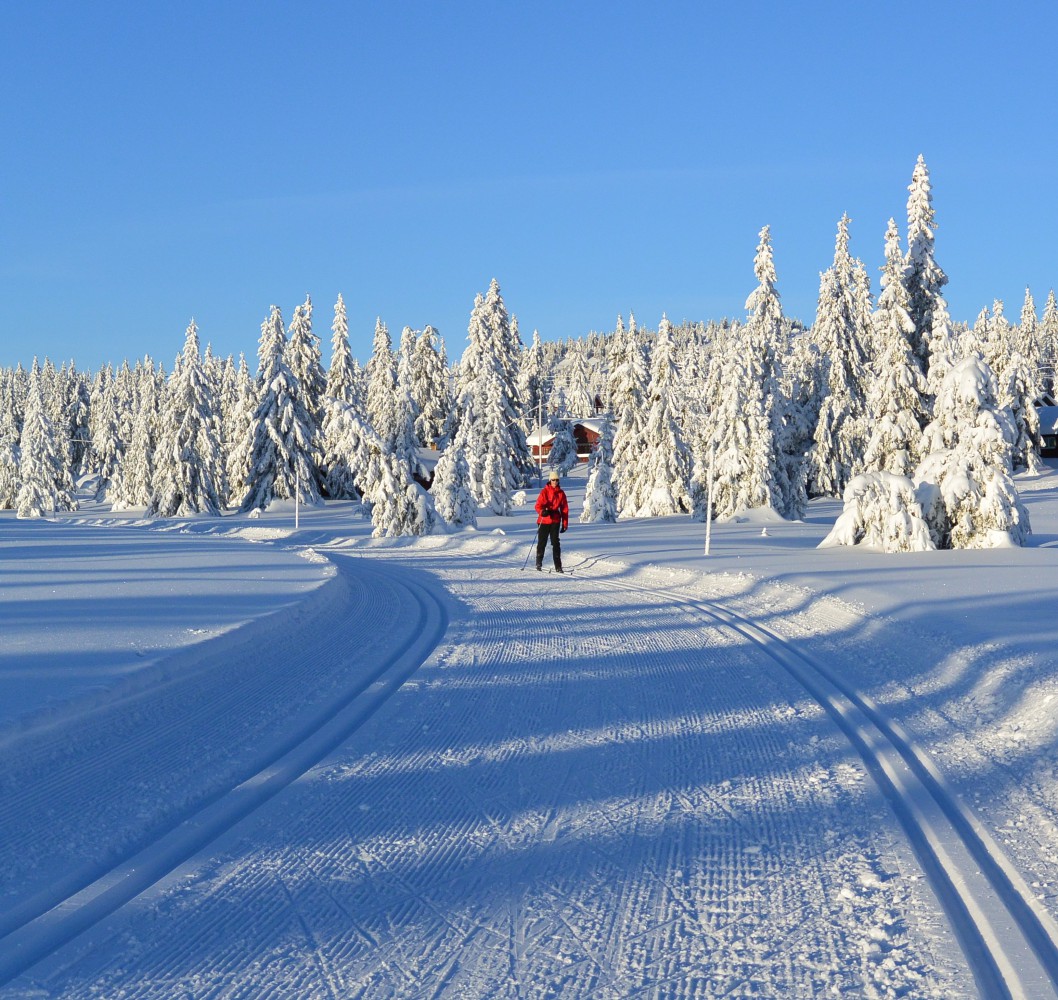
(553, 500)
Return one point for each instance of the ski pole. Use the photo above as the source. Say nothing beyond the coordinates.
(528, 554)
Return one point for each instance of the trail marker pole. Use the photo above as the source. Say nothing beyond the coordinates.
(709, 498)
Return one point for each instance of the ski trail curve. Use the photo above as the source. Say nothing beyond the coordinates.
(583, 792)
(1009, 940)
(56, 915)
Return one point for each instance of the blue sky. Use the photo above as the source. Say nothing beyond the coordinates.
(163, 161)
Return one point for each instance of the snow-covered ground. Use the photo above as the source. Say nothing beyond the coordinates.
(244, 760)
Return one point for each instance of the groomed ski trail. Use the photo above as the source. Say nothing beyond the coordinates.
(1009, 940)
(586, 791)
(219, 740)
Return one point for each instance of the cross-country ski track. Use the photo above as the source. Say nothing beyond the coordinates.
(443, 776)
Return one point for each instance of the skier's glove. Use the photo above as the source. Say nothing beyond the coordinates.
(546, 512)
(562, 530)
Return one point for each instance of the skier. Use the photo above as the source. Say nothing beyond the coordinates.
(553, 510)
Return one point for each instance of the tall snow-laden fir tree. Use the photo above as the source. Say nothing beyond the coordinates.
(240, 436)
(382, 386)
(355, 452)
(896, 399)
(964, 481)
(923, 277)
(107, 446)
(600, 498)
(429, 388)
(9, 481)
(451, 483)
(341, 380)
(532, 374)
(187, 452)
(1048, 335)
(341, 392)
(768, 335)
(76, 408)
(400, 506)
(281, 455)
(1029, 334)
(1016, 366)
(132, 486)
(563, 454)
(842, 330)
(944, 351)
(405, 443)
(496, 449)
(629, 381)
(44, 481)
(302, 353)
(578, 383)
(666, 462)
(738, 448)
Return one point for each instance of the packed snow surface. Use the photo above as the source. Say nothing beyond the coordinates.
(244, 760)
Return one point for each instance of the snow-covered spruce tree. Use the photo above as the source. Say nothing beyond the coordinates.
(923, 277)
(451, 484)
(666, 460)
(281, 455)
(532, 374)
(629, 378)
(429, 388)
(882, 511)
(382, 386)
(340, 377)
(739, 443)
(44, 481)
(799, 390)
(240, 437)
(600, 498)
(1019, 387)
(341, 392)
(400, 506)
(107, 446)
(1048, 336)
(9, 481)
(944, 351)
(354, 452)
(76, 406)
(302, 353)
(1028, 335)
(496, 449)
(187, 452)
(896, 399)
(577, 378)
(769, 335)
(132, 486)
(406, 413)
(842, 331)
(964, 482)
(563, 454)
(213, 377)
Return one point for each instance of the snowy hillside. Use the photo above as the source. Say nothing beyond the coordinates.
(244, 760)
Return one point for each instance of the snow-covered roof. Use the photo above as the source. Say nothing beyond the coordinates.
(1048, 419)
(541, 435)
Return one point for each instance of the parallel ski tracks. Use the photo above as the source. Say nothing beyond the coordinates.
(43, 924)
(1009, 940)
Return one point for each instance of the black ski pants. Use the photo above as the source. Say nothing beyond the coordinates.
(543, 532)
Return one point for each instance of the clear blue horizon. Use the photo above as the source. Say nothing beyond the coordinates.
(164, 162)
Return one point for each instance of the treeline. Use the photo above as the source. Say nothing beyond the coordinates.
(918, 421)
